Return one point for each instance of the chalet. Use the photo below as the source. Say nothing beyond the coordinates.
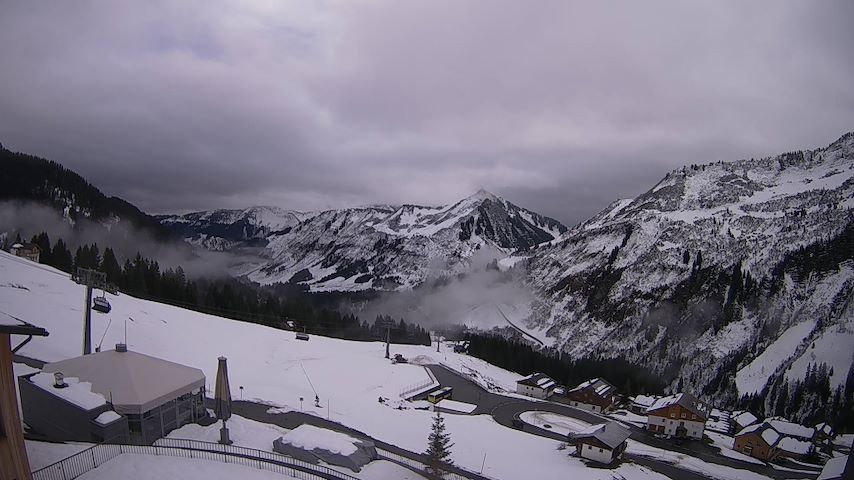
(758, 441)
(641, 403)
(30, 251)
(112, 396)
(794, 430)
(681, 415)
(742, 419)
(537, 385)
(595, 395)
(602, 443)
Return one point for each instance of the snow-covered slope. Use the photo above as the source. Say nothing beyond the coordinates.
(718, 269)
(382, 247)
(225, 229)
(275, 368)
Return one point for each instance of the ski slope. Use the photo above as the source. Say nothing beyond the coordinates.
(274, 368)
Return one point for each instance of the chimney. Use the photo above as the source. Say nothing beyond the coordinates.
(121, 347)
(59, 380)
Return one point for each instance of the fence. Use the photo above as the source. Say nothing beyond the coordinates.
(95, 456)
(420, 386)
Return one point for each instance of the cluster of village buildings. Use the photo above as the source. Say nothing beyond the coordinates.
(679, 416)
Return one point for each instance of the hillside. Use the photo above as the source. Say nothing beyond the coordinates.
(278, 370)
(26, 178)
(380, 247)
(723, 277)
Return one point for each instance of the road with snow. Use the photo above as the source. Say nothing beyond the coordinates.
(506, 409)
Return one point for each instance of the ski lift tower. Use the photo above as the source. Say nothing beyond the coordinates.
(91, 279)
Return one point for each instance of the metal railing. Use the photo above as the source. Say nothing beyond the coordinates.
(95, 456)
(422, 468)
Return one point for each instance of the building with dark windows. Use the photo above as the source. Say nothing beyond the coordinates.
(112, 396)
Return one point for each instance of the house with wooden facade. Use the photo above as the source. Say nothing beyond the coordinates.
(536, 385)
(758, 441)
(603, 443)
(742, 419)
(682, 415)
(30, 251)
(595, 395)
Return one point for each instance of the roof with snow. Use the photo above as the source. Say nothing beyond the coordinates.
(764, 430)
(15, 326)
(824, 428)
(598, 386)
(791, 429)
(538, 380)
(794, 445)
(745, 418)
(684, 400)
(134, 382)
(644, 400)
(834, 468)
(612, 434)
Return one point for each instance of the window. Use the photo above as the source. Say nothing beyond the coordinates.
(589, 447)
(684, 415)
(672, 414)
(693, 417)
(600, 450)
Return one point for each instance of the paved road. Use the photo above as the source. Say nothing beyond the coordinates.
(505, 409)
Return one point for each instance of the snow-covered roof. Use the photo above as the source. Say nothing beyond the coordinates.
(538, 380)
(17, 245)
(791, 429)
(833, 469)
(794, 445)
(751, 428)
(745, 418)
(824, 428)
(685, 400)
(134, 382)
(644, 400)
(597, 385)
(76, 392)
(15, 326)
(770, 436)
(612, 433)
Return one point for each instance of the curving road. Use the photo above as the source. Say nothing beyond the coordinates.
(506, 409)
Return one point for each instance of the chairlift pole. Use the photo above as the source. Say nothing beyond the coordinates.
(91, 279)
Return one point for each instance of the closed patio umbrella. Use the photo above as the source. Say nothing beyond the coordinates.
(222, 399)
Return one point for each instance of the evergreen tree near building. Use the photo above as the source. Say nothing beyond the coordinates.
(438, 447)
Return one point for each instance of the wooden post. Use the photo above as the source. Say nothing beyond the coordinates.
(13, 454)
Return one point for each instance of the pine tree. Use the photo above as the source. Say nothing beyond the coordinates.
(438, 447)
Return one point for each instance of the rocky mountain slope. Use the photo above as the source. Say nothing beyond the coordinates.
(725, 278)
(222, 230)
(380, 247)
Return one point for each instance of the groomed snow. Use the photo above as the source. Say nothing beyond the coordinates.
(694, 464)
(42, 454)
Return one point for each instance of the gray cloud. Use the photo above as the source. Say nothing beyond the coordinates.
(560, 106)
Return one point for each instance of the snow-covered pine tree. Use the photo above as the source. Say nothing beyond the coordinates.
(438, 447)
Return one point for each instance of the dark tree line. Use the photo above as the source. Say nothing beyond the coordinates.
(809, 400)
(226, 297)
(523, 359)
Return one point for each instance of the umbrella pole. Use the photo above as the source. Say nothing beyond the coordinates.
(223, 434)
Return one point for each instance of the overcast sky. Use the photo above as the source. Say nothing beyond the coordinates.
(560, 107)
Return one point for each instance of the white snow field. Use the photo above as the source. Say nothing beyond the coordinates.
(275, 368)
(154, 467)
